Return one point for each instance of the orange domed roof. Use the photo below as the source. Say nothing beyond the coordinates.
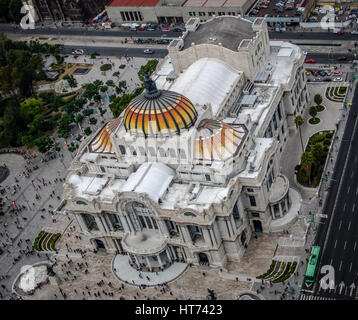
(159, 111)
(216, 140)
(102, 142)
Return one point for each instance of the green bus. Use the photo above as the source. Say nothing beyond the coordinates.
(312, 266)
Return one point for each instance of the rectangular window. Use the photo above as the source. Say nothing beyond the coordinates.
(142, 223)
(135, 16)
(103, 169)
(255, 214)
(131, 15)
(140, 16)
(250, 190)
(207, 177)
(252, 201)
(123, 17)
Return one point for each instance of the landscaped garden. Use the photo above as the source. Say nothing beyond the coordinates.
(279, 271)
(45, 241)
(309, 171)
(314, 110)
(336, 94)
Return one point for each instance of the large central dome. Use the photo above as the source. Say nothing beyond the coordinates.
(159, 111)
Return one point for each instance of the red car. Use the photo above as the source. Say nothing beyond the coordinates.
(311, 61)
(340, 32)
(342, 58)
(141, 29)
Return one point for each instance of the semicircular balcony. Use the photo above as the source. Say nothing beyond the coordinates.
(145, 242)
(278, 189)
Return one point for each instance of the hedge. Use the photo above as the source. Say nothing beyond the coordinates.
(37, 239)
(269, 271)
(106, 67)
(53, 240)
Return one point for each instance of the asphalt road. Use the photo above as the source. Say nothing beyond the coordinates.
(113, 51)
(308, 35)
(5, 28)
(338, 236)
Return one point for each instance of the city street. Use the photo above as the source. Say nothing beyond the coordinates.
(338, 237)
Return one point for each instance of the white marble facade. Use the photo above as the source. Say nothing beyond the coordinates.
(193, 182)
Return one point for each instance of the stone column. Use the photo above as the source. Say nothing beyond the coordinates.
(206, 236)
(186, 234)
(162, 227)
(108, 222)
(81, 222)
(104, 223)
(160, 260)
(99, 224)
(168, 255)
(124, 223)
(148, 263)
(272, 212)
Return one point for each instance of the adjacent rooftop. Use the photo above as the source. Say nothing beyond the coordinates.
(228, 31)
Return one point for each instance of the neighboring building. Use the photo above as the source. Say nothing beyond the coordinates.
(191, 167)
(67, 10)
(173, 11)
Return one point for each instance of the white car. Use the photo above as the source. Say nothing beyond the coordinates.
(337, 79)
(78, 51)
(354, 32)
(148, 51)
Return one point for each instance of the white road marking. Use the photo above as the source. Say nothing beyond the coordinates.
(353, 207)
(340, 266)
(350, 267)
(355, 244)
(345, 245)
(352, 174)
(335, 245)
(344, 207)
(340, 225)
(349, 226)
(349, 188)
(357, 191)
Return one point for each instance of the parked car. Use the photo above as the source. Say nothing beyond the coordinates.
(340, 32)
(338, 79)
(141, 29)
(148, 51)
(317, 80)
(327, 79)
(328, 73)
(177, 30)
(342, 58)
(322, 73)
(354, 32)
(311, 61)
(307, 72)
(165, 29)
(337, 73)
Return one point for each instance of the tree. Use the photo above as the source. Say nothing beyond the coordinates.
(318, 151)
(104, 89)
(44, 144)
(299, 122)
(15, 10)
(31, 107)
(4, 9)
(318, 99)
(72, 82)
(307, 160)
(313, 111)
(110, 83)
(87, 131)
(93, 120)
(79, 118)
(93, 55)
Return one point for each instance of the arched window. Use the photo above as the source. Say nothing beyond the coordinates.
(142, 151)
(172, 153)
(132, 150)
(161, 152)
(182, 154)
(151, 151)
(122, 149)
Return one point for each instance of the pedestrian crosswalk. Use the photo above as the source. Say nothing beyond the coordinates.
(307, 297)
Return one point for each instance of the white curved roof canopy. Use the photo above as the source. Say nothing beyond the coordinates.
(207, 80)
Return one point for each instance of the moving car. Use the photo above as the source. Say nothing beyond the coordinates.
(311, 61)
(342, 58)
(78, 51)
(148, 51)
(340, 32)
(337, 79)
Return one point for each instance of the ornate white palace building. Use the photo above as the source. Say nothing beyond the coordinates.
(191, 167)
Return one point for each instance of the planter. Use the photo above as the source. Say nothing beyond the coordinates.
(314, 121)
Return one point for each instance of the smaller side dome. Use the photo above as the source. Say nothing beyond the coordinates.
(217, 141)
(102, 142)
